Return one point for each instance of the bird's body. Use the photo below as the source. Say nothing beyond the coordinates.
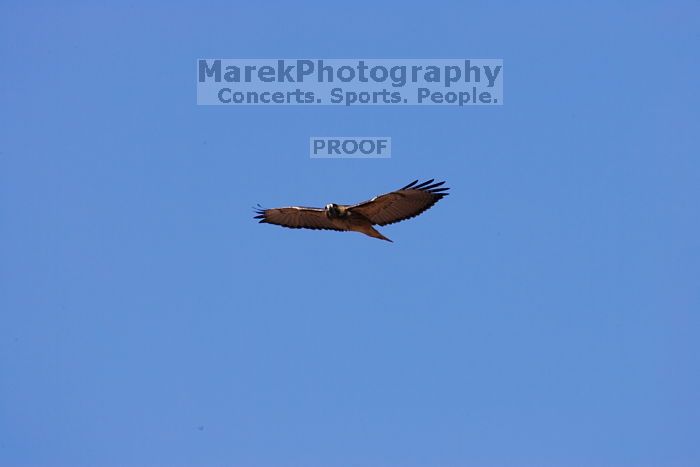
(344, 218)
(385, 209)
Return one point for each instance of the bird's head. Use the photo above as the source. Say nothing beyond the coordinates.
(332, 209)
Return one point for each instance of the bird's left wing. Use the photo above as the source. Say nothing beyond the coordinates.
(296, 217)
(401, 204)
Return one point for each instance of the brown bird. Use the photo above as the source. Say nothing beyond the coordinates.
(399, 205)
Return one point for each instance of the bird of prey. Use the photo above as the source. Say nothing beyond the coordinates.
(399, 205)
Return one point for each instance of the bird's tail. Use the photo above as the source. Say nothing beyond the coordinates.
(372, 232)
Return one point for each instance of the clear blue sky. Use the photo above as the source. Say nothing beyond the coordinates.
(544, 314)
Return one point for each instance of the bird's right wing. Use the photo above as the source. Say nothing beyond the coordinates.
(296, 217)
(404, 203)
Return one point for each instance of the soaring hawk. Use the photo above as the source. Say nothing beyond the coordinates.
(399, 205)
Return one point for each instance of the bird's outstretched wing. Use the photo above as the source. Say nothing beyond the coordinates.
(401, 204)
(296, 217)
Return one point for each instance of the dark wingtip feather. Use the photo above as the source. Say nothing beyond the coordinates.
(434, 185)
(410, 185)
(428, 186)
(422, 185)
(260, 211)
